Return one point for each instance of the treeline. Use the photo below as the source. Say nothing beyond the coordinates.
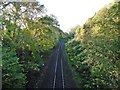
(93, 50)
(28, 34)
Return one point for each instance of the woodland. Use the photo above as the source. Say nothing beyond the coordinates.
(28, 36)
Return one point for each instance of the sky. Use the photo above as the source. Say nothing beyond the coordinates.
(70, 13)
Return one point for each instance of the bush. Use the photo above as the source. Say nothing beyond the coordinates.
(13, 76)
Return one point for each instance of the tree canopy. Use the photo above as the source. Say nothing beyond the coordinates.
(28, 34)
(94, 51)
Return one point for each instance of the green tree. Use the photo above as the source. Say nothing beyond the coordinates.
(99, 37)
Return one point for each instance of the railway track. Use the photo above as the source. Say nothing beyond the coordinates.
(57, 73)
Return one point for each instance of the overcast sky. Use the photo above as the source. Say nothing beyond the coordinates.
(73, 12)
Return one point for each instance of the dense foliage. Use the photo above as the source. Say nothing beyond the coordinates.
(12, 69)
(94, 51)
(27, 35)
